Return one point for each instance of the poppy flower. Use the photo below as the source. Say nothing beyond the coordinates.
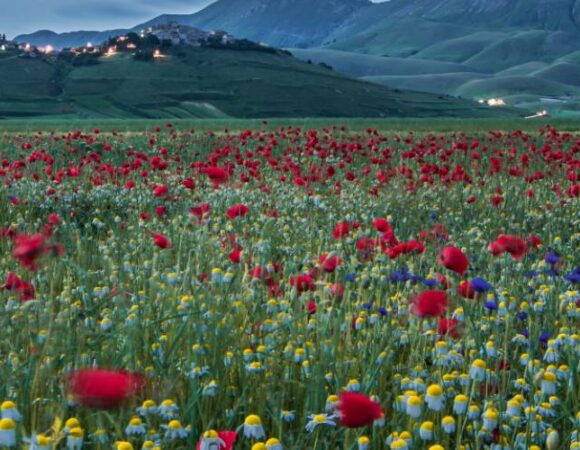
(357, 410)
(28, 248)
(217, 175)
(303, 283)
(449, 327)
(341, 230)
(188, 183)
(235, 255)
(466, 290)
(382, 225)
(161, 241)
(329, 263)
(312, 307)
(430, 304)
(104, 389)
(160, 191)
(201, 210)
(453, 259)
(24, 289)
(237, 211)
(511, 244)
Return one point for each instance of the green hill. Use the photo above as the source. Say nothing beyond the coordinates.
(206, 82)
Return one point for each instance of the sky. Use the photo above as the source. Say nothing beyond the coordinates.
(26, 16)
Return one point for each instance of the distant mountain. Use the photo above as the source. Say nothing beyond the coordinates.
(202, 82)
(68, 40)
(280, 23)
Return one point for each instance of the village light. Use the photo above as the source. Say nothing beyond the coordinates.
(48, 49)
(496, 102)
(157, 54)
(2, 48)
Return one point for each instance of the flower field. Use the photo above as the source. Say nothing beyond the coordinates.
(290, 288)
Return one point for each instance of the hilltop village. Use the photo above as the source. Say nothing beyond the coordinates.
(149, 44)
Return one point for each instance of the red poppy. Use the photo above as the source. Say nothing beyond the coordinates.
(496, 201)
(235, 255)
(24, 289)
(104, 389)
(329, 263)
(161, 241)
(227, 437)
(217, 175)
(312, 307)
(303, 283)
(382, 225)
(337, 290)
(341, 230)
(449, 327)
(237, 211)
(160, 191)
(53, 219)
(28, 249)
(201, 210)
(188, 183)
(466, 290)
(509, 243)
(453, 259)
(430, 304)
(357, 410)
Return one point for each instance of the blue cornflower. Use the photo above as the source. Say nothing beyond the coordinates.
(574, 276)
(480, 285)
(552, 258)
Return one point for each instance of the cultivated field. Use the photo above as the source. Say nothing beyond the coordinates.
(304, 284)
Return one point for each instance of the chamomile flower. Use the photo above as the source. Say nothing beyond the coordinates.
(7, 433)
(274, 444)
(414, 406)
(210, 440)
(174, 430)
(363, 443)
(477, 370)
(288, 416)
(448, 424)
(426, 431)
(167, 410)
(135, 427)
(148, 407)
(40, 442)
(253, 427)
(434, 398)
(74, 439)
(8, 410)
(316, 420)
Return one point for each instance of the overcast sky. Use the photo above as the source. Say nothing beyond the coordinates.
(26, 16)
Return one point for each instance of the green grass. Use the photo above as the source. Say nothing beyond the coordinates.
(209, 83)
(396, 124)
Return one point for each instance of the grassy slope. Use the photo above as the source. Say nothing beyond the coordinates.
(207, 83)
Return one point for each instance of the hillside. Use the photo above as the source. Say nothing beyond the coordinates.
(206, 82)
(280, 23)
(525, 50)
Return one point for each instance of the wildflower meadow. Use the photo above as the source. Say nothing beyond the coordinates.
(289, 288)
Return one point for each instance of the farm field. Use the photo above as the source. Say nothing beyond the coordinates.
(297, 284)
